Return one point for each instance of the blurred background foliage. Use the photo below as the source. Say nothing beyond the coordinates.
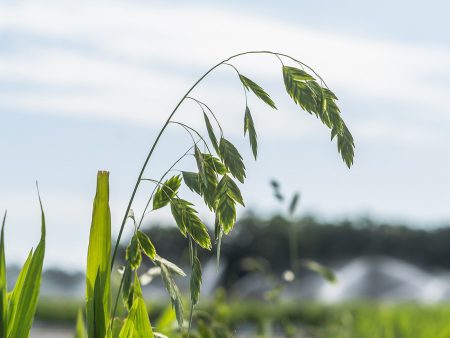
(260, 246)
(328, 242)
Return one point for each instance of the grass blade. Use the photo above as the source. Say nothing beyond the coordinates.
(99, 262)
(137, 324)
(15, 294)
(80, 328)
(24, 299)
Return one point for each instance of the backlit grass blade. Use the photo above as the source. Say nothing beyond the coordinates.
(137, 324)
(98, 262)
(165, 321)
(80, 328)
(14, 296)
(24, 298)
(3, 290)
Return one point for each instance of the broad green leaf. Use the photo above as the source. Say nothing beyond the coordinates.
(21, 315)
(137, 324)
(257, 90)
(232, 159)
(294, 203)
(325, 272)
(3, 284)
(189, 223)
(146, 245)
(166, 192)
(80, 331)
(211, 134)
(99, 262)
(174, 292)
(15, 295)
(133, 253)
(250, 127)
(200, 165)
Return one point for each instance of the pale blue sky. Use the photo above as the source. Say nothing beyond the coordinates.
(86, 86)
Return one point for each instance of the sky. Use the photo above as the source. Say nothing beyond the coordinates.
(86, 85)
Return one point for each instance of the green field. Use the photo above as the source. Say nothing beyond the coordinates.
(351, 320)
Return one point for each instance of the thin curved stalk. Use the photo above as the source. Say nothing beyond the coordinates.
(185, 126)
(150, 153)
(201, 104)
(162, 177)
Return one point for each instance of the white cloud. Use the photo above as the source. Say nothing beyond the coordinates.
(132, 57)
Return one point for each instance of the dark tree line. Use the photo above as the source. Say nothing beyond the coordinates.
(325, 242)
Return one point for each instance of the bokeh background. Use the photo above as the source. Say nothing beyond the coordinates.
(86, 85)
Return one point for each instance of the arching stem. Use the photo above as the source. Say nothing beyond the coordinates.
(150, 153)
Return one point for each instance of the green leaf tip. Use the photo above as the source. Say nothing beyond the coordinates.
(23, 299)
(166, 192)
(188, 222)
(228, 194)
(146, 245)
(232, 159)
(174, 293)
(257, 90)
(133, 253)
(250, 127)
(137, 324)
(196, 280)
(320, 101)
(80, 331)
(211, 134)
(98, 268)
